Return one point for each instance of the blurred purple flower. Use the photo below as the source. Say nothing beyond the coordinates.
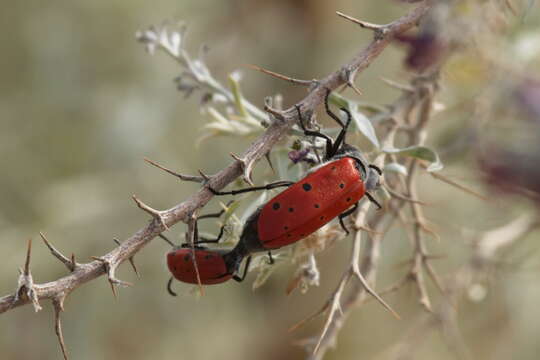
(528, 95)
(425, 49)
(512, 171)
(297, 156)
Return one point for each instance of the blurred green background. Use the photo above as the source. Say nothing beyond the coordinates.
(81, 104)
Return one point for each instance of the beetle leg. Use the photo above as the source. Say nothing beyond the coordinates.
(254, 188)
(341, 136)
(329, 112)
(344, 215)
(246, 268)
(169, 287)
(328, 139)
(271, 260)
(204, 240)
(372, 199)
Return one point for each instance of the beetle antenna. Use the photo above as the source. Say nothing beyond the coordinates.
(376, 168)
(167, 240)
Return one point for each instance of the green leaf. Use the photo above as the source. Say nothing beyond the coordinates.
(395, 167)
(364, 125)
(419, 152)
(229, 210)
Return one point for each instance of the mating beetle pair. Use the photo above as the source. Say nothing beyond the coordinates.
(331, 189)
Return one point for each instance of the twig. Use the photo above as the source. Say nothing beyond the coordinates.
(447, 180)
(198, 179)
(70, 263)
(363, 24)
(281, 77)
(58, 304)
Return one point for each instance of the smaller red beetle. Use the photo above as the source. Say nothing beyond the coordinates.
(214, 266)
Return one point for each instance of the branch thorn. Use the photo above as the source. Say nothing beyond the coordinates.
(156, 214)
(280, 76)
(69, 263)
(131, 260)
(197, 179)
(204, 176)
(379, 30)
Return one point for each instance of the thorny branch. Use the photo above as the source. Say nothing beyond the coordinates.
(81, 273)
(415, 98)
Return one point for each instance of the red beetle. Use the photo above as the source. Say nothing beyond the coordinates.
(214, 266)
(329, 190)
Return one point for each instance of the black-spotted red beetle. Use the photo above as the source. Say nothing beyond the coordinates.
(214, 266)
(330, 190)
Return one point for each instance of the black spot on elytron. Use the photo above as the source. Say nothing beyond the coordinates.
(275, 206)
(289, 235)
(302, 235)
(207, 257)
(174, 268)
(286, 227)
(322, 218)
(333, 168)
(291, 209)
(186, 258)
(342, 185)
(306, 186)
(348, 199)
(317, 206)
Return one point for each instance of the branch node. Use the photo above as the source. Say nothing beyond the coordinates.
(247, 168)
(131, 259)
(156, 214)
(277, 114)
(204, 176)
(25, 284)
(110, 269)
(349, 76)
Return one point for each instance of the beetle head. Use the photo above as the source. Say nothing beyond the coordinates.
(373, 180)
